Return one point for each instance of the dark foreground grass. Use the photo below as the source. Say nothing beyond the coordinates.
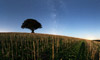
(28, 46)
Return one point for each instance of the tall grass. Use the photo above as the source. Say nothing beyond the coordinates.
(27, 46)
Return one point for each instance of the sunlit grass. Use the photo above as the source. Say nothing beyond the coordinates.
(29, 46)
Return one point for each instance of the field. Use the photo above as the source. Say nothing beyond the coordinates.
(29, 46)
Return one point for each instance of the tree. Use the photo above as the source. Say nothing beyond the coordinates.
(31, 24)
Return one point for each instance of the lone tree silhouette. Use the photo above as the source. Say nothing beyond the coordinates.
(31, 24)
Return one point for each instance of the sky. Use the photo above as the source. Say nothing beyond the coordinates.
(75, 18)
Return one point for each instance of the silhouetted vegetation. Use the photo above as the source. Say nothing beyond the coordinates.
(97, 40)
(31, 24)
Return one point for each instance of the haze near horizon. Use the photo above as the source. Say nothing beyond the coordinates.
(76, 18)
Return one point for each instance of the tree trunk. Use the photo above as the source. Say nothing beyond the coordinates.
(32, 31)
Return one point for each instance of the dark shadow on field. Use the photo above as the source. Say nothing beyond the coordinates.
(81, 54)
(0, 50)
(97, 55)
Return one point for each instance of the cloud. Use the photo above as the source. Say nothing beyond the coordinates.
(54, 9)
(62, 3)
(54, 15)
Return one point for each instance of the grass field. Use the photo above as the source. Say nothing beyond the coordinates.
(29, 46)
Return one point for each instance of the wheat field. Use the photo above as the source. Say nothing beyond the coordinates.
(29, 46)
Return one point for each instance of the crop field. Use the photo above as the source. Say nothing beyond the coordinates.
(29, 46)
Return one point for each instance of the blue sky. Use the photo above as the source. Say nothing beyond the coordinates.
(76, 18)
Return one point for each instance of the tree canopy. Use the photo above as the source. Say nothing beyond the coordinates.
(31, 24)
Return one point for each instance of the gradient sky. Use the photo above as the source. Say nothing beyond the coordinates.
(76, 18)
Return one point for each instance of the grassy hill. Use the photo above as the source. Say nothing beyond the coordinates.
(97, 40)
(29, 46)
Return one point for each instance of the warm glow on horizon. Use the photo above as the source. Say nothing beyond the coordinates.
(91, 37)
